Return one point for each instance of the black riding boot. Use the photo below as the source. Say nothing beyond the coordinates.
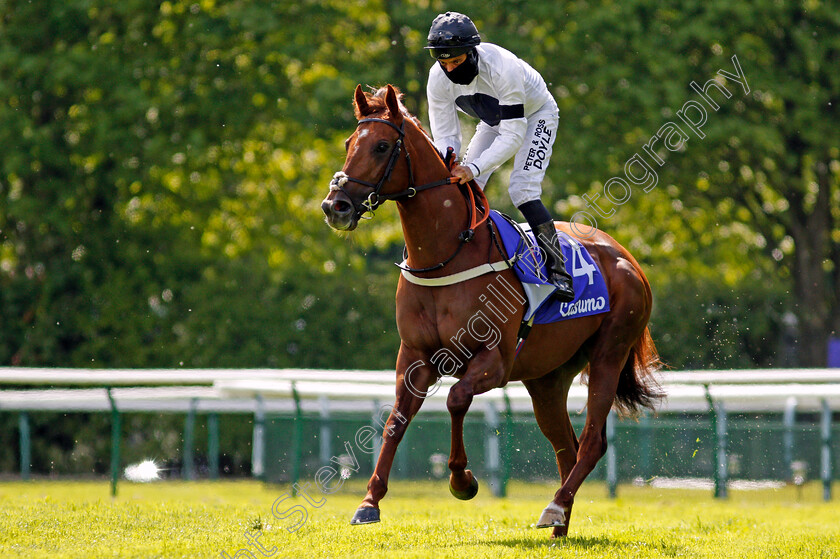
(555, 264)
(542, 225)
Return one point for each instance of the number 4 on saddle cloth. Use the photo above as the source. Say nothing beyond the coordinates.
(591, 295)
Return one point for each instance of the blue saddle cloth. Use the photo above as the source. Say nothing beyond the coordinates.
(591, 295)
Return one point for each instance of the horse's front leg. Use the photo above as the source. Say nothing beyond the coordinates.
(414, 378)
(484, 373)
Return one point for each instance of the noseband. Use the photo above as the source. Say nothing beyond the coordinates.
(375, 198)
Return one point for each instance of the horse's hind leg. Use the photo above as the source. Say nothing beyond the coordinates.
(549, 395)
(604, 370)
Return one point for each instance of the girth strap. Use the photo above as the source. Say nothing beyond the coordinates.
(452, 279)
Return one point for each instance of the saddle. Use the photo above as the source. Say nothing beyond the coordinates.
(591, 296)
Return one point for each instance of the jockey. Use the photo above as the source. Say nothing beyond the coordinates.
(518, 118)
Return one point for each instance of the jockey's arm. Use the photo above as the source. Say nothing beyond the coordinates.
(512, 128)
(443, 114)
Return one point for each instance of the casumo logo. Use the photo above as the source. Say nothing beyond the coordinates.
(584, 305)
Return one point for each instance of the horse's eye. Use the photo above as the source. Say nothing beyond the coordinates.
(381, 147)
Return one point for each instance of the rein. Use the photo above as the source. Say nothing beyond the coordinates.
(474, 195)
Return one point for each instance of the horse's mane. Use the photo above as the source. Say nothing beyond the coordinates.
(376, 101)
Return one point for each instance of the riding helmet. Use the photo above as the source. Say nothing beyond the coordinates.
(452, 34)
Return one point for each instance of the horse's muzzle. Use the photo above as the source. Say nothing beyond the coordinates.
(339, 211)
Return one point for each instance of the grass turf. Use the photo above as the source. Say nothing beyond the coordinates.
(419, 519)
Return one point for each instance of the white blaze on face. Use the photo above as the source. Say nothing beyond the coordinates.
(364, 133)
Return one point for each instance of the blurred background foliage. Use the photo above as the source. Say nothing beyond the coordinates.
(163, 165)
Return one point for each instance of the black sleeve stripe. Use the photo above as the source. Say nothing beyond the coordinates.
(488, 109)
(508, 112)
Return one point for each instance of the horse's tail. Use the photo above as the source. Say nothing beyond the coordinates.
(637, 387)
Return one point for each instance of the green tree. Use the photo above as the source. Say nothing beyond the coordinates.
(163, 166)
(158, 156)
(766, 170)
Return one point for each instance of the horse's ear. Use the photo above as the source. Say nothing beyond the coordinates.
(392, 101)
(361, 103)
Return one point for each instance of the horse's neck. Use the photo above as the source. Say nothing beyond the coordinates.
(433, 219)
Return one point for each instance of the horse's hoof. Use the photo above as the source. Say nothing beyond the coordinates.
(365, 515)
(469, 493)
(553, 516)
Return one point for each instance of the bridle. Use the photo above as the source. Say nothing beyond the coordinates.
(376, 198)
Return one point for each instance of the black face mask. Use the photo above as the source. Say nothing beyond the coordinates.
(466, 71)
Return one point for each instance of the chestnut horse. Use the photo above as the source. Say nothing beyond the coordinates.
(390, 157)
